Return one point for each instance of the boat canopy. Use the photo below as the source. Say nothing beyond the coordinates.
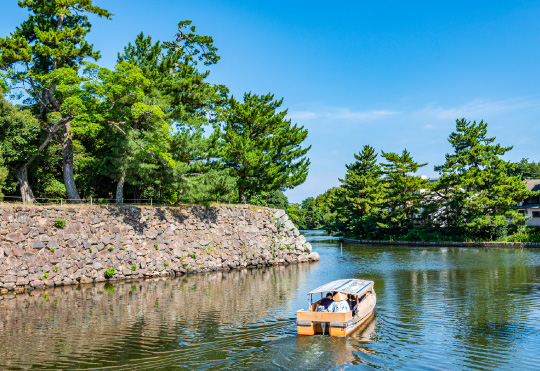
(348, 286)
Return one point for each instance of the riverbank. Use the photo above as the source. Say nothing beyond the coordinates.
(445, 243)
(45, 246)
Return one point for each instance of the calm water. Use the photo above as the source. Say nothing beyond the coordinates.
(438, 308)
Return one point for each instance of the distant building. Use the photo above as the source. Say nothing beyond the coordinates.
(531, 206)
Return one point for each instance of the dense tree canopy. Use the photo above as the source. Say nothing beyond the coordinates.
(260, 146)
(475, 197)
(361, 196)
(475, 193)
(41, 59)
(151, 127)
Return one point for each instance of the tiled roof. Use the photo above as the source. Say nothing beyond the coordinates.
(533, 185)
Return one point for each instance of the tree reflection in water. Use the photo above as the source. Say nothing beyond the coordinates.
(443, 308)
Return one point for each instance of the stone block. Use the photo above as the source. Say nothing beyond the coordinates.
(279, 214)
(53, 245)
(15, 237)
(38, 245)
(16, 251)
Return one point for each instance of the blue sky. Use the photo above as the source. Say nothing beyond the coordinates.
(391, 74)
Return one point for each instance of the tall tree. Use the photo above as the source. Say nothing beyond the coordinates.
(403, 191)
(41, 59)
(180, 89)
(136, 132)
(474, 193)
(360, 197)
(261, 147)
(19, 141)
(3, 176)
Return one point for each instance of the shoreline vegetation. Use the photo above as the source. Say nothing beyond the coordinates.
(478, 197)
(444, 243)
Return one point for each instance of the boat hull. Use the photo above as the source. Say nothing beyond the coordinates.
(335, 324)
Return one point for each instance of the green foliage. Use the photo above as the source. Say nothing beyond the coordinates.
(358, 200)
(42, 58)
(55, 269)
(46, 275)
(475, 194)
(166, 264)
(404, 193)
(275, 199)
(260, 146)
(90, 249)
(474, 199)
(111, 248)
(156, 246)
(361, 196)
(525, 169)
(3, 176)
(133, 267)
(60, 223)
(192, 255)
(51, 249)
(109, 272)
(137, 130)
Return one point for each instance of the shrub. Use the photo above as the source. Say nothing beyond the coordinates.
(133, 267)
(90, 249)
(111, 248)
(55, 269)
(192, 255)
(60, 223)
(45, 275)
(166, 263)
(155, 246)
(109, 272)
(52, 249)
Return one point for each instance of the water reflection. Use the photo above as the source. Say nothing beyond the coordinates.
(442, 308)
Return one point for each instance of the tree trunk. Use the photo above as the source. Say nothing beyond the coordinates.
(120, 189)
(26, 192)
(241, 195)
(67, 165)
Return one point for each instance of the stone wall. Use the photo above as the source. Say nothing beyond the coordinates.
(37, 251)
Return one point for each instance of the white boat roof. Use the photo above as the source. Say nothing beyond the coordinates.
(347, 286)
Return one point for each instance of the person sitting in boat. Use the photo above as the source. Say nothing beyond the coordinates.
(339, 304)
(353, 304)
(325, 303)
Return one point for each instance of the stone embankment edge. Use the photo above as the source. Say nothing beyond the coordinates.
(442, 243)
(140, 242)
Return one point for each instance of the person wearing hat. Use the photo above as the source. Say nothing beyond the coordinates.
(339, 304)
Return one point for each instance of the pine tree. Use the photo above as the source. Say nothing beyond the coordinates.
(42, 58)
(403, 191)
(260, 146)
(360, 197)
(474, 194)
(180, 89)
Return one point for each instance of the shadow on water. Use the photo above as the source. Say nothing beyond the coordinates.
(438, 308)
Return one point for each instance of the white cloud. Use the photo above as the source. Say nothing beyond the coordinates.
(340, 113)
(475, 110)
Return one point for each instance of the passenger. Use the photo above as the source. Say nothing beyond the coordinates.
(325, 303)
(353, 304)
(340, 304)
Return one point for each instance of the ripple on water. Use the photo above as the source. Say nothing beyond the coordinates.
(438, 309)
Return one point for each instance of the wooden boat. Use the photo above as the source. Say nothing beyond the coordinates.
(361, 298)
